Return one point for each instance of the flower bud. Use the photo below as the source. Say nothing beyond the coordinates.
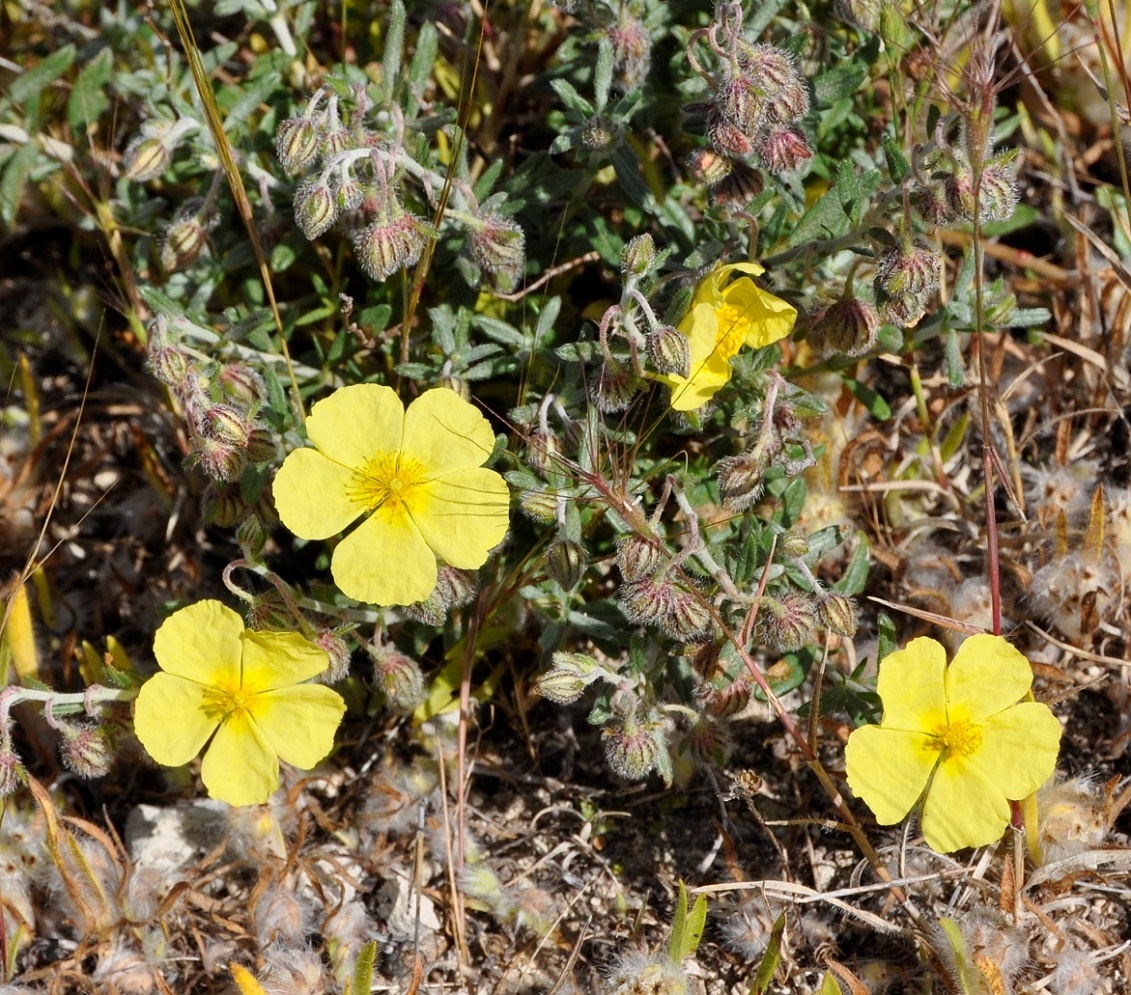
(86, 749)
(183, 242)
(708, 166)
(789, 104)
(638, 557)
(316, 208)
(739, 187)
(741, 479)
(567, 562)
(252, 537)
(456, 384)
(793, 544)
(614, 386)
(632, 51)
(334, 140)
(631, 751)
(262, 445)
(337, 656)
(998, 193)
(12, 772)
(240, 384)
(644, 601)
(147, 158)
(219, 460)
(905, 310)
(789, 622)
(567, 680)
(297, 142)
(348, 193)
(766, 67)
(542, 450)
(389, 245)
(727, 701)
(837, 613)
(223, 505)
(398, 677)
(499, 250)
(433, 610)
(638, 256)
(227, 424)
(669, 351)
(457, 587)
(726, 136)
(539, 506)
(685, 615)
(912, 267)
(168, 364)
(848, 327)
(783, 150)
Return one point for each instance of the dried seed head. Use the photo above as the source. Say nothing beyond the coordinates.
(631, 750)
(316, 208)
(567, 562)
(499, 249)
(297, 142)
(389, 245)
(1070, 818)
(848, 327)
(638, 557)
(398, 677)
(783, 150)
(669, 351)
(648, 974)
(600, 134)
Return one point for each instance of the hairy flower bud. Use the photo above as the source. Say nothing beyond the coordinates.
(316, 208)
(168, 364)
(912, 267)
(567, 562)
(12, 772)
(783, 150)
(499, 250)
(638, 557)
(183, 242)
(789, 622)
(221, 461)
(997, 194)
(147, 158)
(837, 613)
(348, 193)
(726, 136)
(669, 351)
(741, 479)
(223, 505)
(252, 537)
(708, 166)
(240, 384)
(225, 423)
(542, 450)
(726, 701)
(539, 506)
(391, 244)
(739, 187)
(632, 51)
(398, 677)
(787, 105)
(848, 327)
(638, 256)
(644, 601)
(337, 655)
(86, 749)
(297, 142)
(685, 616)
(458, 587)
(262, 445)
(567, 680)
(632, 750)
(767, 67)
(614, 386)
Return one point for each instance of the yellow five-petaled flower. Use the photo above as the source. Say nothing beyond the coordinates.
(242, 693)
(723, 318)
(962, 733)
(415, 475)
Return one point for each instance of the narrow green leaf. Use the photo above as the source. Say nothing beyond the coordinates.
(88, 99)
(13, 179)
(363, 970)
(955, 369)
(33, 82)
(769, 963)
(394, 46)
(836, 83)
(898, 165)
(679, 926)
(887, 638)
(877, 407)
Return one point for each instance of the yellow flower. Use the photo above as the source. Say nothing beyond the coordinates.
(240, 692)
(721, 321)
(416, 475)
(960, 732)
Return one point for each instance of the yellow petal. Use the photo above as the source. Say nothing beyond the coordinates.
(446, 433)
(240, 767)
(912, 689)
(279, 659)
(963, 808)
(888, 769)
(201, 643)
(316, 497)
(170, 720)
(385, 561)
(709, 368)
(768, 318)
(299, 723)
(1019, 749)
(712, 289)
(356, 423)
(986, 675)
(465, 516)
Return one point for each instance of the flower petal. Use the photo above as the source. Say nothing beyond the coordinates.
(316, 497)
(356, 423)
(1019, 749)
(768, 318)
(710, 369)
(385, 561)
(711, 290)
(240, 767)
(986, 675)
(274, 660)
(465, 516)
(299, 722)
(170, 719)
(201, 643)
(963, 808)
(446, 433)
(888, 769)
(912, 689)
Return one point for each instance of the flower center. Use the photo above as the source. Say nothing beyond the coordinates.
(227, 701)
(959, 739)
(732, 331)
(391, 481)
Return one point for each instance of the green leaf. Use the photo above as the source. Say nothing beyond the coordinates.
(856, 575)
(769, 963)
(627, 168)
(955, 369)
(423, 60)
(15, 175)
(687, 928)
(855, 189)
(33, 82)
(603, 74)
(829, 985)
(88, 99)
(363, 970)
(789, 673)
(887, 638)
(394, 44)
(573, 100)
(877, 407)
(825, 219)
(841, 81)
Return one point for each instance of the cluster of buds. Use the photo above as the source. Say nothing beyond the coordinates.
(221, 404)
(949, 190)
(754, 117)
(907, 274)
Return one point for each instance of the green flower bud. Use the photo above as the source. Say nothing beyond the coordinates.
(644, 601)
(399, 678)
(241, 384)
(600, 134)
(837, 613)
(669, 351)
(638, 256)
(848, 327)
(183, 243)
(252, 537)
(567, 562)
(168, 364)
(708, 166)
(147, 158)
(262, 445)
(568, 678)
(221, 461)
(337, 656)
(316, 208)
(297, 142)
(539, 506)
(499, 250)
(542, 450)
(223, 506)
(227, 424)
(632, 750)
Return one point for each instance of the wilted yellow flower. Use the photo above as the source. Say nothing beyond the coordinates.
(416, 475)
(962, 733)
(242, 693)
(721, 321)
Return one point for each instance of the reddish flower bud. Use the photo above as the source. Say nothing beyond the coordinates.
(184, 241)
(638, 557)
(726, 701)
(685, 616)
(848, 327)
(632, 51)
(739, 187)
(168, 364)
(644, 601)
(499, 249)
(783, 150)
(399, 678)
(391, 244)
(741, 479)
(789, 622)
(225, 423)
(86, 749)
(337, 656)
(708, 166)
